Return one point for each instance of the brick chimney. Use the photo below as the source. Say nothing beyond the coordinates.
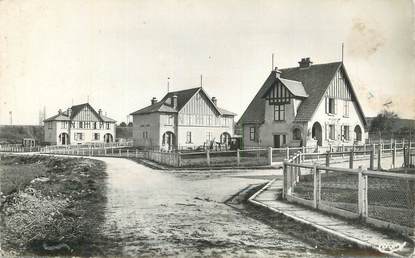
(153, 100)
(174, 101)
(215, 101)
(60, 111)
(100, 112)
(305, 62)
(277, 72)
(69, 112)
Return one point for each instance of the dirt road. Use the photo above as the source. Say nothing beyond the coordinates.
(153, 213)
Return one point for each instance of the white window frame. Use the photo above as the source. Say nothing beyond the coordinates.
(252, 133)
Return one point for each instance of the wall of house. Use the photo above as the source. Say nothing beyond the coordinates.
(88, 134)
(270, 127)
(50, 133)
(201, 134)
(338, 119)
(146, 130)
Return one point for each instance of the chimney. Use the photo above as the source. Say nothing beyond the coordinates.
(277, 72)
(60, 111)
(100, 112)
(174, 101)
(69, 111)
(215, 101)
(305, 62)
(153, 100)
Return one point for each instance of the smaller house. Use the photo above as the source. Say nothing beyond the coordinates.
(184, 119)
(79, 124)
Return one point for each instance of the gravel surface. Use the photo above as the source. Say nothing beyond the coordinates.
(154, 213)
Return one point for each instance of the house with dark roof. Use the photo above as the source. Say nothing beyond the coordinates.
(183, 119)
(79, 124)
(307, 105)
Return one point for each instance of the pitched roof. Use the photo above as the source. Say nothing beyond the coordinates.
(295, 87)
(75, 110)
(315, 80)
(183, 96)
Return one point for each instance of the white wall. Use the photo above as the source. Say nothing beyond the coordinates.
(149, 123)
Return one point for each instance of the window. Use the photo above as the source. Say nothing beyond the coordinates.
(72, 124)
(96, 136)
(346, 132)
(108, 125)
(145, 135)
(297, 134)
(81, 125)
(346, 108)
(101, 125)
(332, 132)
(49, 125)
(331, 106)
(78, 136)
(252, 133)
(279, 112)
(189, 137)
(208, 136)
(209, 120)
(63, 125)
(284, 139)
(170, 120)
(95, 125)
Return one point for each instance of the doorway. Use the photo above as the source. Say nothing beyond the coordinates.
(279, 140)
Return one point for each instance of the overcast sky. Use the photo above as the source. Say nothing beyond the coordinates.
(120, 53)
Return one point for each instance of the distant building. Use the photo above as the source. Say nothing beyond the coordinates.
(182, 119)
(77, 125)
(307, 105)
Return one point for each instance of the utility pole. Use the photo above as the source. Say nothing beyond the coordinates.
(11, 117)
(201, 80)
(168, 84)
(272, 62)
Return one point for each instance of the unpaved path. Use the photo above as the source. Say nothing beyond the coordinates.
(153, 213)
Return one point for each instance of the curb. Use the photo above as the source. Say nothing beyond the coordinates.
(316, 226)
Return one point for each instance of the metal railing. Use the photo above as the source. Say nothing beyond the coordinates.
(383, 199)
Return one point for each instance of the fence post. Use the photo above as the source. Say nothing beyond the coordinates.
(287, 153)
(372, 158)
(394, 156)
(342, 150)
(304, 149)
(379, 157)
(208, 157)
(179, 159)
(351, 159)
(119, 152)
(105, 151)
(136, 153)
(362, 194)
(270, 156)
(328, 159)
(238, 158)
(317, 186)
(317, 149)
(285, 180)
(128, 153)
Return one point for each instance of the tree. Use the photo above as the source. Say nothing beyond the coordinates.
(123, 124)
(383, 122)
(130, 124)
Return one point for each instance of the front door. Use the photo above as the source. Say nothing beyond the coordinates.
(277, 141)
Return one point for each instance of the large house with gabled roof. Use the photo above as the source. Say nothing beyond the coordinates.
(184, 119)
(79, 124)
(307, 105)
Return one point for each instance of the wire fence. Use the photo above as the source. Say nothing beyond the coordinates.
(383, 199)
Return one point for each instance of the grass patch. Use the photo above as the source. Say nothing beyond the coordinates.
(59, 213)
